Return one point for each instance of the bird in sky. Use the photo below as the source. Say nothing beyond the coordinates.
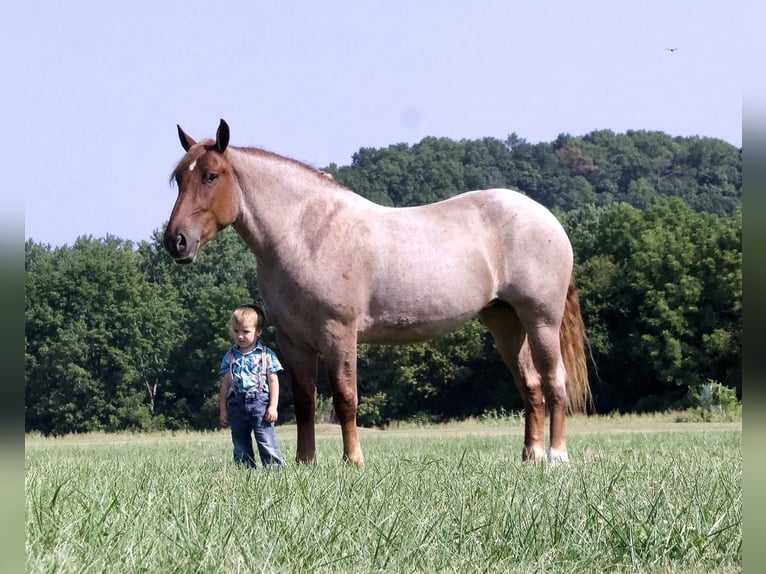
(671, 49)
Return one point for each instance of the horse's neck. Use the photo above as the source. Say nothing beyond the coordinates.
(276, 195)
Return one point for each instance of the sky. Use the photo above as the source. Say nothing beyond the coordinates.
(94, 89)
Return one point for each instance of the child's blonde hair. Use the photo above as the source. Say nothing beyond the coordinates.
(245, 313)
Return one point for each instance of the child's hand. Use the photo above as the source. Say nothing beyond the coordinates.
(271, 415)
(223, 419)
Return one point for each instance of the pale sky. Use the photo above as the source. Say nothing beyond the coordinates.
(93, 89)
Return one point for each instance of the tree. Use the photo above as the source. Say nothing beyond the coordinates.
(661, 296)
(97, 337)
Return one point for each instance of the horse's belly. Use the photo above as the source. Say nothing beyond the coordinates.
(412, 303)
(403, 327)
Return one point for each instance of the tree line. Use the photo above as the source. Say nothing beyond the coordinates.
(118, 336)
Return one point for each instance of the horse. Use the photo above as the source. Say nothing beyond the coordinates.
(336, 269)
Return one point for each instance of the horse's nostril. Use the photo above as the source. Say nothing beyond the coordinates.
(175, 244)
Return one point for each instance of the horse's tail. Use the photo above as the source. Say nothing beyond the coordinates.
(573, 344)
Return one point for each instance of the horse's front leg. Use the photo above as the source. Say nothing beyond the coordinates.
(302, 369)
(340, 360)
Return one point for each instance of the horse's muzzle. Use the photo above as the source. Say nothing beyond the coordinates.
(180, 249)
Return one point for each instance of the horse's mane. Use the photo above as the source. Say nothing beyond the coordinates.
(281, 158)
(198, 150)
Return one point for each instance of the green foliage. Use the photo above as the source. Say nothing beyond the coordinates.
(371, 409)
(97, 337)
(325, 412)
(712, 398)
(661, 293)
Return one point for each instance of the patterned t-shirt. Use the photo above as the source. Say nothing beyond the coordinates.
(247, 369)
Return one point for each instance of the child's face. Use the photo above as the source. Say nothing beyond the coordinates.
(246, 334)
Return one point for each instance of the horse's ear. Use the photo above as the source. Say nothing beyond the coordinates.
(222, 136)
(186, 141)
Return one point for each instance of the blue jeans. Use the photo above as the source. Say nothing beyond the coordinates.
(246, 411)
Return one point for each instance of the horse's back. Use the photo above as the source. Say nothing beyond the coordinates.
(510, 204)
(514, 228)
(437, 265)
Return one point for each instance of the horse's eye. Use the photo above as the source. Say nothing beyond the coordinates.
(211, 177)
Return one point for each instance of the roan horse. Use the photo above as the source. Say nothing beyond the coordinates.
(335, 270)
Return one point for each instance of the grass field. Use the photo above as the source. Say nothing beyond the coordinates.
(643, 494)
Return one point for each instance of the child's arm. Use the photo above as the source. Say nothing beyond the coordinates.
(271, 411)
(223, 415)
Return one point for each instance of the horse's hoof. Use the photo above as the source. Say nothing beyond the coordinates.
(357, 462)
(533, 456)
(556, 457)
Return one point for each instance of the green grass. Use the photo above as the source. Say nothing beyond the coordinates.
(641, 495)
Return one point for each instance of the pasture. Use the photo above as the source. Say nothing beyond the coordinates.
(642, 494)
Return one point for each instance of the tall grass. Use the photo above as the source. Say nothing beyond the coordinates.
(452, 501)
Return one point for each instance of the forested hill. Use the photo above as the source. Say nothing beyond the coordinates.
(118, 336)
(598, 169)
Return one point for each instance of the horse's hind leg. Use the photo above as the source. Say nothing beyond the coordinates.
(545, 350)
(511, 343)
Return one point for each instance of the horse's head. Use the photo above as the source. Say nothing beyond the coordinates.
(208, 195)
